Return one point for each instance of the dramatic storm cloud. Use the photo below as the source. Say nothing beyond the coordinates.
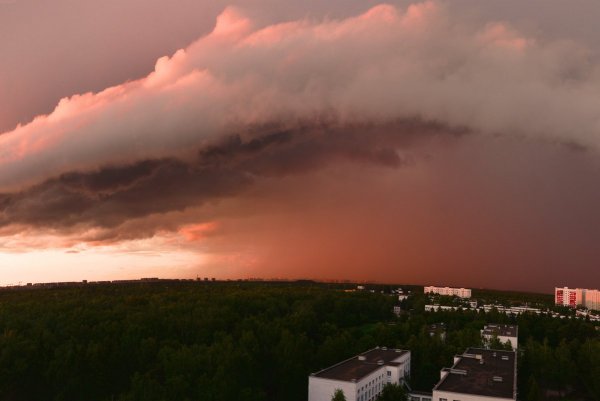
(228, 145)
(384, 65)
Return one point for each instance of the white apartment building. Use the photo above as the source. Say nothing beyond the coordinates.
(577, 296)
(504, 333)
(568, 296)
(362, 377)
(591, 299)
(459, 292)
(479, 375)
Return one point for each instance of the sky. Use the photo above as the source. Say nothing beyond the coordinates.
(425, 142)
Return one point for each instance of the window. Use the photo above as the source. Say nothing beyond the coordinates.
(443, 399)
(389, 373)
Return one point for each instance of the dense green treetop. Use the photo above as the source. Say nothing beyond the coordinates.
(249, 341)
(338, 395)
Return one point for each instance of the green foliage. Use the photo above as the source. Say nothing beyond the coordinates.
(178, 341)
(338, 395)
(533, 392)
(393, 392)
(250, 341)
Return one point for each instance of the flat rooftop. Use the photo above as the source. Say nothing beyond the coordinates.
(484, 372)
(506, 330)
(357, 367)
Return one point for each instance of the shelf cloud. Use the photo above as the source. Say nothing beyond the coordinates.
(385, 65)
(245, 110)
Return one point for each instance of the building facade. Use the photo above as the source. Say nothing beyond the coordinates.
(449, 291)
(573, 297)
(479, 375)
(362, 377)
(568, 296)
(591, 299)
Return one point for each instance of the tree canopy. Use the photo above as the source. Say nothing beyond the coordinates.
(338, 395)
(250, 342)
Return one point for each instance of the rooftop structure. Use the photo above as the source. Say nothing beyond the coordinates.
(414, 395)
(503, 332)
(479, 373)
(361, 377)
(449, 291)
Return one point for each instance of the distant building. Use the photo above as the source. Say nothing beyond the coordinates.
(362, 377)
(478, 375)
(459, 292)
(573, 297)
(568, 296)
(397, 310)
(591, 299)
(437, 308)
(504, 333)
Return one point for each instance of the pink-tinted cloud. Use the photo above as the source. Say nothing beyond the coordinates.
(384, 65)
(398, 145)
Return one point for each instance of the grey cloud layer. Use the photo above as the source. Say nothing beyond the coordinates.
(385, 65)
(110, 196)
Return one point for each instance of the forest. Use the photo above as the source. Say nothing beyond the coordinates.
(250, 341)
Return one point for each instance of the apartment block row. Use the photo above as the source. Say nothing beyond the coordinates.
(574, 297)
(449, 291)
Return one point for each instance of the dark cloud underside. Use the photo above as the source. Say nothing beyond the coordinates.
(112, 195)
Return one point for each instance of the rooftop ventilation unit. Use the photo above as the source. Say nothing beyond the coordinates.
(362, 358)
(380, 362)
(505, 357)
(497, 379)
(458, 372)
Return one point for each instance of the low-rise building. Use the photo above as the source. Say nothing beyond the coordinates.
(419, 396)
(503, 332)
(437, 308)
(479, 375)
(573, 297)
(361, 377)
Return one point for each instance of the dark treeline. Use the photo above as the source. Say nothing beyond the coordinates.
(246, 341)
(178, 342)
